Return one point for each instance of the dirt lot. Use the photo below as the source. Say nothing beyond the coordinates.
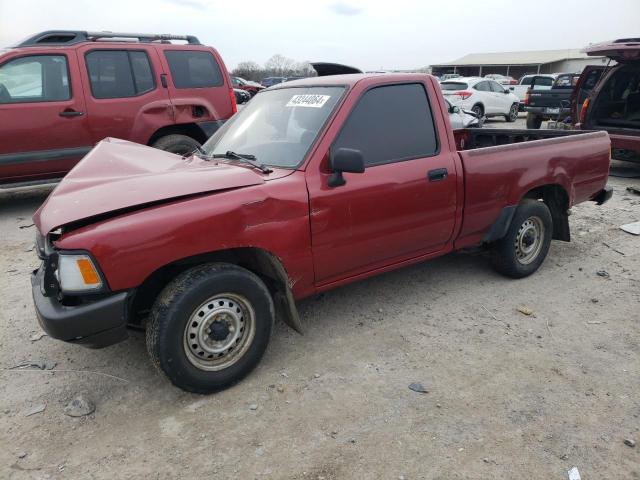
(510, 395)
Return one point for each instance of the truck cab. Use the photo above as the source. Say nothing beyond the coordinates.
(61, 92)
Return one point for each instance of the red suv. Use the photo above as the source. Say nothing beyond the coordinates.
(607, 97)
(61, 92)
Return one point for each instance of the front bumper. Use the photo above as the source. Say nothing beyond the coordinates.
(95, 324)
(604, 195)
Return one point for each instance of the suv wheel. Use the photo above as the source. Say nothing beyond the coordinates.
(210, 327)
(526, 244)
(178, 144)
(512, 116)
(478, 110)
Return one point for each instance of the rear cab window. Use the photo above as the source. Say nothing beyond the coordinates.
(35, 78)
(119, 73)
(194, 69)
(390, 124)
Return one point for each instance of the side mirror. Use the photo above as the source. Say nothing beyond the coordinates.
(512, 88)
(344, 160)
(507, 90)
(454, 109)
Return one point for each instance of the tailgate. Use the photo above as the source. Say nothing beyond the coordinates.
(553, 98)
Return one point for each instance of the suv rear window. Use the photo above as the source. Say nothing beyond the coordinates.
(452, 86)
(36, 78)
(193, 69)
(390, 124)
(119, 73)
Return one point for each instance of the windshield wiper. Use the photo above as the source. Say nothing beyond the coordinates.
(243, 157)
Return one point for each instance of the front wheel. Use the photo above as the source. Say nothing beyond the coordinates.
(178, 144)
(526, 244)
(210, 326)
(512, 116)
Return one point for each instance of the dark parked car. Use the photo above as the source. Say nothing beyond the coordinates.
(61, 92)
(608, 98)
(242, 96)
(270, 81)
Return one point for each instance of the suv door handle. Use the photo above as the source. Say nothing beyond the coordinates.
(70, 113)
(437, 174)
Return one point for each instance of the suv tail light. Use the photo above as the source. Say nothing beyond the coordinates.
(526, 97)
(234, 106)
(583, 112)
(463, 94)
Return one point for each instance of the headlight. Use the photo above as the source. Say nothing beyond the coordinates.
(77, 274)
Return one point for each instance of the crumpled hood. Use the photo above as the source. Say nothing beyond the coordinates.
(118, 175)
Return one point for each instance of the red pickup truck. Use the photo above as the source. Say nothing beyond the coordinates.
(63, 91)
(316, 183)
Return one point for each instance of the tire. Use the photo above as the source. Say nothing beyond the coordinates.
(534, 122)
(178, 144)
(527, 241)
(513, 113)
(478, 110)
(214, 299)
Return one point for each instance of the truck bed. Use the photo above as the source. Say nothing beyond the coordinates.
(501, 166)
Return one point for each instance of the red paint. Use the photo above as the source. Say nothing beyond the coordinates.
(37, 126)
(385, 218)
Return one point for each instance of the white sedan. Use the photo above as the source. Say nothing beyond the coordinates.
(486, 98)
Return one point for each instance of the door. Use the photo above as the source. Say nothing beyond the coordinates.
(197, 84)
(43, 118)
(503, 100)
(125, 98)
(487, 97)
(586, 83)
(402, 206)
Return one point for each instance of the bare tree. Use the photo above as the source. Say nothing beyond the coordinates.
(248, 70)
(279, 65)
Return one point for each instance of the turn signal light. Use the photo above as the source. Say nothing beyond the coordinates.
(234, 106)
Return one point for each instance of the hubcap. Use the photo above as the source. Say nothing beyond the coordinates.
(529, 240)
(219, 332)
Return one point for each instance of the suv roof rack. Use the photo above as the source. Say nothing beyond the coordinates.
(72, 37)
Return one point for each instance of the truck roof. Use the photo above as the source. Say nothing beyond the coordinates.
(347, 80)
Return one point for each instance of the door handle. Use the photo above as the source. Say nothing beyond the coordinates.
(70, 113)
(437, 174)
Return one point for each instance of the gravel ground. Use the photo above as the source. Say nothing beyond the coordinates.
(509, 395)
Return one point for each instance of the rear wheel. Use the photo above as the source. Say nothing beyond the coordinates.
(478, 110)
(512, 116)
(210, 327)
(178, 144)
(526, 244)
(533, 121)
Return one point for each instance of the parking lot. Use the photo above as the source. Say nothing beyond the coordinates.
(525, 378)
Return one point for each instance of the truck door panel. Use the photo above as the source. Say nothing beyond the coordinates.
(392, 211)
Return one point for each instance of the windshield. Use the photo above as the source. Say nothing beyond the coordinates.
(277, 126)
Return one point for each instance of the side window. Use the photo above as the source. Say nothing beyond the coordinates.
(119, 73)
(193, 69)
(389, 124)
(36, 78)
(482, 87)
(496, 87)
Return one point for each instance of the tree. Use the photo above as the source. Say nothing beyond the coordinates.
(248, 70)
(279, 65)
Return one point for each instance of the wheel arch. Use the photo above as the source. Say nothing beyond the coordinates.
(192, 130)
(261, 262)
(556, 199)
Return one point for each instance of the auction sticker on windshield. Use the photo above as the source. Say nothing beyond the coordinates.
(310, 100)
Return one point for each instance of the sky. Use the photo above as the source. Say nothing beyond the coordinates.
(370, 35)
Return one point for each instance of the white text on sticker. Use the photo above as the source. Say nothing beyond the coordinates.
(314, 101)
